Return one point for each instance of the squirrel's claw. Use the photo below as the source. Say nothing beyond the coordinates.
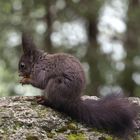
(40, 99)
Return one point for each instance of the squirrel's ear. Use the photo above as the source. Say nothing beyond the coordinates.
(27, 43)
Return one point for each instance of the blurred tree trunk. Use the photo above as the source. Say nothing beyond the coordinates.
(132, 47)
(92, 56)
(49, 22)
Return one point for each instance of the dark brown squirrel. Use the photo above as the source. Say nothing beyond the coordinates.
(62, 78)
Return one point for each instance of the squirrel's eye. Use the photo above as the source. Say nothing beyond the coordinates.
(22, 65)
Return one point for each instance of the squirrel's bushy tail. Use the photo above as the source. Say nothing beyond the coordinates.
(113, 113)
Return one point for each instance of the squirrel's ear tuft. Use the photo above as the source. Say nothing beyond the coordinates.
(27, 43)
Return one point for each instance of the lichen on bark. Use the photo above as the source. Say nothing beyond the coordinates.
(21, 118)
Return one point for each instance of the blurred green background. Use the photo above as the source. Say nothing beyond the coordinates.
(103, 34)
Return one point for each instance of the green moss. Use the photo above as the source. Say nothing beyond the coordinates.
(33, 103)
(137, 137)
(109, 138)
(32, 138)
(72, 126)
(17, 125)
(102, 132)
(62, 129)
(41, 112)
(5, 129)
(50, 135)
(78, 136)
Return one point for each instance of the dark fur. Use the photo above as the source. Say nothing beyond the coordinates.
(62, 78)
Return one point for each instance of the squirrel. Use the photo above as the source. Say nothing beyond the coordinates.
(62, 79)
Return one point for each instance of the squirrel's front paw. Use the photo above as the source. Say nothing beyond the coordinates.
(24, 81)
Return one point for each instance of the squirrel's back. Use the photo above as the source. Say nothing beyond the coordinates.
(65, 63)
